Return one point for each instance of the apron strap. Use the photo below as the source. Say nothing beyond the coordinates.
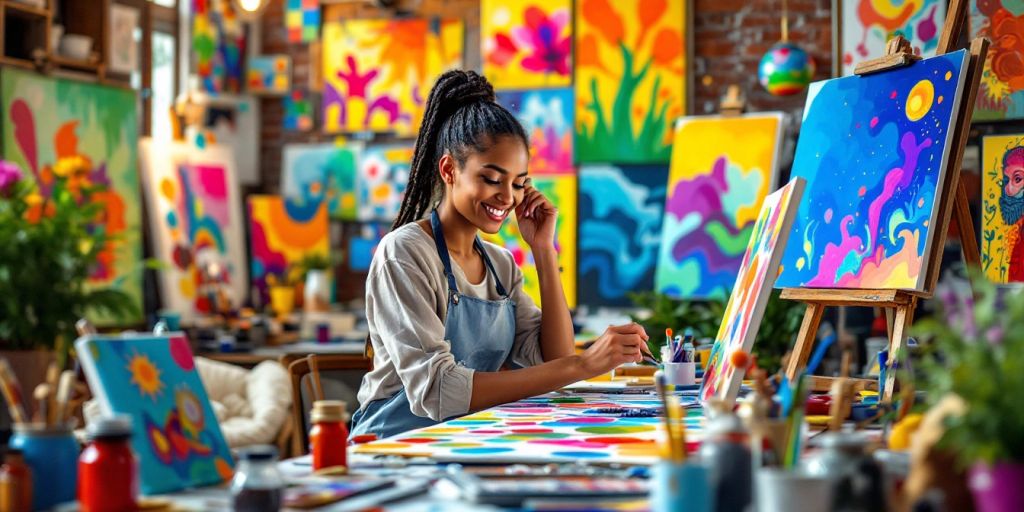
(442, 252)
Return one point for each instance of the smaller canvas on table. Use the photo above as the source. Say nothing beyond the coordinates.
(153, 379)
(751, 292)
(195, 214)
(282, 233)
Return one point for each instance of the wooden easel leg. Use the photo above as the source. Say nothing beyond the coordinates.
(962, 214)
(805, 341)
(901, 324)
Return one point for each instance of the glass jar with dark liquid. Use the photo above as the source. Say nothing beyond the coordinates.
(257, 485)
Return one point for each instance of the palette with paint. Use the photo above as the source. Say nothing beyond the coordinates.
(549, 428)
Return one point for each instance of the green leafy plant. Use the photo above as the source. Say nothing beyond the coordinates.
(318, 261)
(975, 350)
(48, 248)
(659, 311)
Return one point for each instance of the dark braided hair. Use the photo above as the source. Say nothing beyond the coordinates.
(461, 115)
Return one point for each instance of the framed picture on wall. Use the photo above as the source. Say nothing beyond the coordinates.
(863, 27)
(123, 49)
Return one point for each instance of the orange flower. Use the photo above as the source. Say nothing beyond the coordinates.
(587, 53)
(649, 12)
(668, 46)
(1007, 51)
(603, 17)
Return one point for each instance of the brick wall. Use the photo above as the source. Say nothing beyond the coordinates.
(729, 36)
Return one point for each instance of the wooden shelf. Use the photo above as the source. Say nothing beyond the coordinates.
(21, 63)
(27, 9)
(74, 63)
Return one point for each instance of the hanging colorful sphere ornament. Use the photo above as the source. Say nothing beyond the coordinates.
(785, 69)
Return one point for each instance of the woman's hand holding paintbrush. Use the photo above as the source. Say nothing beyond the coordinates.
(618, 345)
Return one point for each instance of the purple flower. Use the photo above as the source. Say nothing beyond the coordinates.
(547, 48)
(9, 175)
(994, 335)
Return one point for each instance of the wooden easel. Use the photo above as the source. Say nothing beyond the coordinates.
(900, 304)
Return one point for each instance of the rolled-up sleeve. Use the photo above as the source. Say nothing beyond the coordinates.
(401, 307)
(526, 347)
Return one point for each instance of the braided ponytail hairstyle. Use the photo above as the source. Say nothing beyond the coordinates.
(461, 115)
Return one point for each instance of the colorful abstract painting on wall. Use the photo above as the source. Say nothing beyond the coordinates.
(620, 216)
(1002, 196)
(380, 184)
(175, 434)
(195, 217)
(869, 24)
(561, 191)
(218, 45)
(873, 150)
(269, 75)
(298, 111)
(630, 79)
(85, 133)
(545, 429)
(377, 73)
(1001, 94)
(302, 20)
(547, 116)
(362, 246)
(751, 292)
(721, 170)
(315, 173)
(281, 234)
(526, 43)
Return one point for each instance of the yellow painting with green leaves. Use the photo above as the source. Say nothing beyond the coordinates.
(561, 191)
(630, 79)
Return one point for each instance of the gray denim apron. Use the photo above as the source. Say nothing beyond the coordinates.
(479, 331)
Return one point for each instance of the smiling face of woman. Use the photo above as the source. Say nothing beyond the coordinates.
(491, 183)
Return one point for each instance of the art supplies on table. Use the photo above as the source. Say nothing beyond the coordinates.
(513, 490)
(327, 491)
(153, 379)
(544, 429)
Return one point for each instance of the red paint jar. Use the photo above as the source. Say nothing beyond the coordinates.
(107, 471)
(329, 436)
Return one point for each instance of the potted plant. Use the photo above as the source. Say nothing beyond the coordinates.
(49, 245)
(976, 354)
(317, 291)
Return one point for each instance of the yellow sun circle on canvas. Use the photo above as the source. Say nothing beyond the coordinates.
(920, 100)
(145, 375)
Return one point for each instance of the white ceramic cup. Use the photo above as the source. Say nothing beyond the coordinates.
(681, 374)
(778, 490)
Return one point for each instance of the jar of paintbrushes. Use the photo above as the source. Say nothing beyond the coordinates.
(678, 484)
(45, 439)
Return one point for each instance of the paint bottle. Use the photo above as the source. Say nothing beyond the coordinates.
(328, 437)
(15, 483)
(107, 470)
(855, 476)
(257, 484)
(726, 452)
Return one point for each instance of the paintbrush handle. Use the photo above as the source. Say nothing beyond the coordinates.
(64, 388)
(12, 393)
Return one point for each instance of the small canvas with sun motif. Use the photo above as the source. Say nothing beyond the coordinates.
(153, 379)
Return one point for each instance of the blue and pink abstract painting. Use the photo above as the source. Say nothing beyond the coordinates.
(322, 172)
(620, 214)
(547, 115)
(873, 150)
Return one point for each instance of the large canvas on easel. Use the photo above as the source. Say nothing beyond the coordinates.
(281, 234)
(561, 191)
(314, 173)
(630, 79)
(378, 73)
(867, 25)
(620, 215)
(153, 379)
(1002, 193)
(722, 168)
(526, 43)
(751, 292)
(85, 134)
(874, 151)
(544, 429)
(195, 219)
(1001, 93)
